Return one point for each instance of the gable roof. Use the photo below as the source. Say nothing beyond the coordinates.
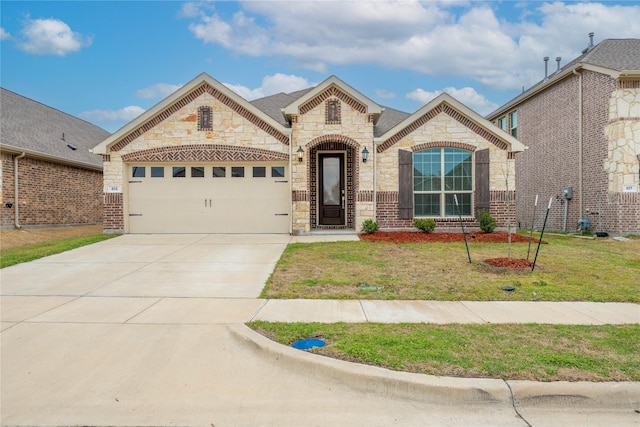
(37, 129)
(445, 103)
(356, 98)
(200, 84)
(618, 58)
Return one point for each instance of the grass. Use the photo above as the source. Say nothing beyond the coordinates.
(19, 254)
(528, 352)
(567, 269)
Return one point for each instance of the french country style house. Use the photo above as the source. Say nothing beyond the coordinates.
(205, 160)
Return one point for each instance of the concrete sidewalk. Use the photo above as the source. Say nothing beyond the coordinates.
(148, 330)
(441, 312)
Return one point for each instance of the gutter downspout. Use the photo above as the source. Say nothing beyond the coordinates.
(16, 200)
(375, 173)
(580, 141)
(291, 182)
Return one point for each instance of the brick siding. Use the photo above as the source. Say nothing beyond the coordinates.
(113, 213)
(50, 194)
(548, 124)
(502, 208)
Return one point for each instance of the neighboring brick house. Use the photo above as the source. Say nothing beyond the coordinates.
(205, 160)
(581, 125)
(59, 181)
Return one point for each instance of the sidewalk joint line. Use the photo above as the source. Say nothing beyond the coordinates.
(258, 310)
(473, 312)
(513, 403)
(143, 310)
(366, 318)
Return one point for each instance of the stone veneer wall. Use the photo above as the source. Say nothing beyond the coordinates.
(351, 133)
(442, 130)
(50, 194)
(623, 157)
(237, 135)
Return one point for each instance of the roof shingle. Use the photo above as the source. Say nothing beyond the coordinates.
(28, 125)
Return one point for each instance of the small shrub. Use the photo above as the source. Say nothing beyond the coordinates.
(369, 226)
(486, 222)
(426, 225)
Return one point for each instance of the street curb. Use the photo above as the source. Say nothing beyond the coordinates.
(589, 396)
(372, 379)
(561, 395)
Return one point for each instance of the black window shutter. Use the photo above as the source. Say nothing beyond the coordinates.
(405, 196)
(483, 195)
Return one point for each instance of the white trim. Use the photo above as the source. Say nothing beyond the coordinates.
(198, 81)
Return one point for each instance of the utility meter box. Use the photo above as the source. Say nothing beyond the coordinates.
(568, 192)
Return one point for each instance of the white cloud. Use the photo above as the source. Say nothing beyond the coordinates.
(4, 35)
(51, 37)
(439, 38)
(125, 114)
(271, 85)
(467, 95)
(159, 90)
(384, 94)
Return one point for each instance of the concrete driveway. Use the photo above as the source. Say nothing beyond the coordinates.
(147, 330)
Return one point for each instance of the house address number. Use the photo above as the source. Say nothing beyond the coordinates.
(630, 188)
(114, 189)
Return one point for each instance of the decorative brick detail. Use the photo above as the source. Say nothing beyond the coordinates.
(333, 143)
(333, 92)
(205, 118)
(113, 212)
(106, 157)
(365, 196)
(50, 193)
(429, 115)
(332, 112)
(204, 153)
(187, 99)
(511, 155)
(628, 84)
(444, 144)
(333, 138)
(420, 121)
(300, 196)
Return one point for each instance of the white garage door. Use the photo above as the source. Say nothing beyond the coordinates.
(209, 198)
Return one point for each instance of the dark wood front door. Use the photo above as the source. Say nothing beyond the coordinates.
(331, 189)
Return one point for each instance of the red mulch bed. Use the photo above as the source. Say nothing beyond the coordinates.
(417, 237)
(509, 262)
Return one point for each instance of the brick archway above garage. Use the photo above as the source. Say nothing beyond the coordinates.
(205, 153)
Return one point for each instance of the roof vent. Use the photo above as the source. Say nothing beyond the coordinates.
(590, 40)
(63, 137)
(558, 59)
(72, 147)
(546, 64)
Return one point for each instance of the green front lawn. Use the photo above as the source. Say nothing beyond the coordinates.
(527, 352)
(16, 255)
(567, 269)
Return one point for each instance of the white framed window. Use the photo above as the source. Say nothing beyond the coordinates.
(438, 175)
(513, 123)
(502, 123)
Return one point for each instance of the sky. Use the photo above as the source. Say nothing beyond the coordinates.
(108, 61)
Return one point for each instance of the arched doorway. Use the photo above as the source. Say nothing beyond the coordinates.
(333, 182)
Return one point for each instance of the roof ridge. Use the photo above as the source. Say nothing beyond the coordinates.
(52, 108)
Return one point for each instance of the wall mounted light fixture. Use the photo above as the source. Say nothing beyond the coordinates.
(300, 152)
(365, 155)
